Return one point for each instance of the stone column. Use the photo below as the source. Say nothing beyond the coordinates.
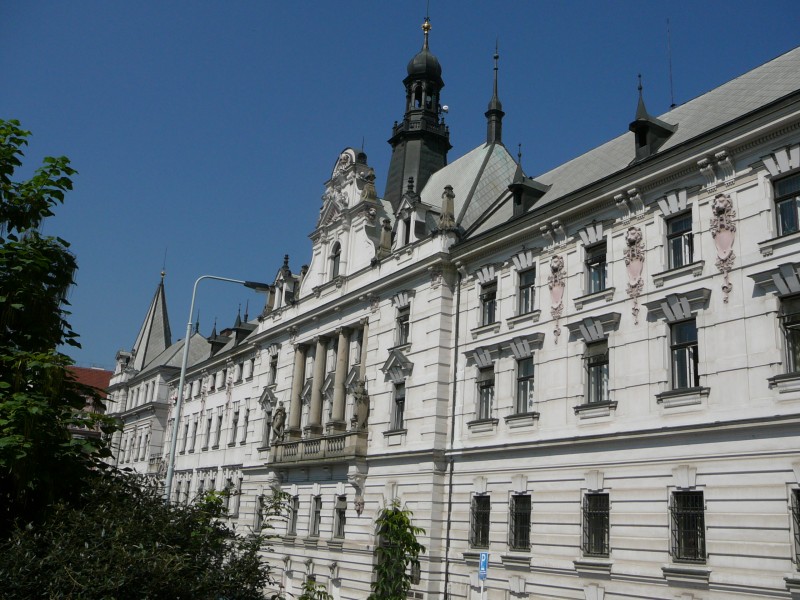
(342, 351)
(298, 379)
(315, 412)
(362, 367)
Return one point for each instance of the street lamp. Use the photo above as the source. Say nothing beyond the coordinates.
(254, 285)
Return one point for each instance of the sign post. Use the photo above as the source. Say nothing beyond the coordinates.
(483, 567)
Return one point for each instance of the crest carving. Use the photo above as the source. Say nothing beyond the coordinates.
(555, 282)
(723, 230)
(634, 265)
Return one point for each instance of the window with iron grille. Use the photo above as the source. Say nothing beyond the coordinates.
(790, 323)
(796, 524)
(595, 524)
(293, 510)
(684, 355)
(479, 521)
(596, 364)
(489, 303)
(680, 241)
(524, 385)
(688, 527)
(316, 516)
(403, 317)
(485, 393)
(787, 201)
(399, 407)
(527, 291)
(519, 522)
(596, 268)
(340, 516)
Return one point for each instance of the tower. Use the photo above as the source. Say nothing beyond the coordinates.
(421, 141)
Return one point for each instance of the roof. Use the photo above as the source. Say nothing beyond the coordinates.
(154, 336)
(94, 377)
(199, 350)
(755, 89)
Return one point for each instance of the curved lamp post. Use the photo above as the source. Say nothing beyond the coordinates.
(254, 285)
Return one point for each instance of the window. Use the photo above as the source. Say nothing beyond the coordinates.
(519, 522)
(258, 522)
(680, 241)
(224, 379)
(208, 431)
(403, 323)
(294, 508)
(273, 369)
(688, 527)
(316, 516)
(596, 362)
(336, 257)
(480, 513)
(485, 393)
(787, 199)
(339, 516)
(195, 423)
(245, 425)
(237, 496)
(596, 268)
(234, 425)
(489, 303)
(790, 322)
(595, 524)
(684, 355)
(185, 436)
(527, 291)
(796, 523)
(524, 385)
(228, 493)
(218, 430)
(240, 372)
(399, 407)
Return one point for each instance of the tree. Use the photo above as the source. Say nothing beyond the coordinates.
(123, 540)
(397, 553)
(314, 591)
(39, 461)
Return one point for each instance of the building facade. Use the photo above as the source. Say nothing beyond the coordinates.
(593, 374)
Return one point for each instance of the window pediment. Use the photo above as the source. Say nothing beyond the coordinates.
(397, 367)
(267, 399)
(783, 160)
(523, 346)
(677, 307)
(782, 280)
(594, 329)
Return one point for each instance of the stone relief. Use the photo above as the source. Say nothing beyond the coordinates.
(723, 230)
(556, 284)
(634, 265)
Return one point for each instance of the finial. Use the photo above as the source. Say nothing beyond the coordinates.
(426, 27)
(639, 87)
(410, 186)
(247, 311)
(496, 57)
(163, 273)
(197, 323)
(214, 329)
(285, 261)
(519, 153)
(362, 143)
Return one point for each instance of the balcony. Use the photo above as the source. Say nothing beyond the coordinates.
(334, 448)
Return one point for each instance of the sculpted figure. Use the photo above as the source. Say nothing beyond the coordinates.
(279, 422)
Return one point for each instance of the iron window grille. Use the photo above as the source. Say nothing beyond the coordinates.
(293, 511)
(688, 527)
(787, 201)
(596, 363)
(790, 323)
(524, 384)
(340, 516)
(596, 511)
(684, 355)
(596, 268)
(485, 393)
(796, 523)
(403, 325)
(680, 241)
(488, 303)
(316, 516)
(519, 522)
(479, 516)
(527, 291)
(399, 408)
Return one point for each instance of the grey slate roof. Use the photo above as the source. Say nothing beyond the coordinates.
(154, 336)
(199, 350)
(755, 89)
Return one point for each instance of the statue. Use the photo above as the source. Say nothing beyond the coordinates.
(279, 422)
(361, 416)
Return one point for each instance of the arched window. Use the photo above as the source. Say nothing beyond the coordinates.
(336, 256)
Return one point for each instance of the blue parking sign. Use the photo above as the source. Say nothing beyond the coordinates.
(483, 566)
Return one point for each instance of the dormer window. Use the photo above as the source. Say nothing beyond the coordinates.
(406, 231)
(336, 256)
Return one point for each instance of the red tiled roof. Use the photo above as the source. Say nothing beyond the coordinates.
(94, 377)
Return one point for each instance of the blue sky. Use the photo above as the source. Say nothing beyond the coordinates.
(207, 129)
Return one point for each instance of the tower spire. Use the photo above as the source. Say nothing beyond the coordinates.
(494, 115)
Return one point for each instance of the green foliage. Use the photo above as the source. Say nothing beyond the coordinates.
(39, 461)
(397, 553)
(123, 541)
(314, 591)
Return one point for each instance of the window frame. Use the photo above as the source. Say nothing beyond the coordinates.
(597, 366)
(488, 303)
(315, 520)
(684, 352)
(787, 199)
(485, 387)
(336, 260)
(596, 264)
(790, 327)
(596, 513)
(403, 326)
(519, 522)
(682, 239)
(525, 386)
(340, 517)
(687, 526)
(794, 507)
(293, 510)
(398, 407)
(526, 291)
(480, 520)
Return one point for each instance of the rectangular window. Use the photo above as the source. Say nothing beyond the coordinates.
(245, 425)
(195, 424)
(316, 516)
(228, 493)
(489, 303)
(595, 524)
(240, 372)
(524, 385)
(684, 355)
(258, 521)
(340, 516)
(688, 527)
(208, 432)
(218, 430)
(403, 322)
(185, 436)
(234, 426)
(796, 523)
(273, 369)
(787, 201)
(224, 380)
(293, 511)
(680, 241)
(596, 268)
(479, 521)
(485, 393)
(237, 496)
(527, 291)
(399, 408)
(519, 522)
(596, 362)
(790, 323)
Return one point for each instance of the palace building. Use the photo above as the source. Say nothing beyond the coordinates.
(592, 374)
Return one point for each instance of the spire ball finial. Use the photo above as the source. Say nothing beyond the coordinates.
(640, 83)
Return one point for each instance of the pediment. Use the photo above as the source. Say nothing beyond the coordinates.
(267, 399)
(397, 367)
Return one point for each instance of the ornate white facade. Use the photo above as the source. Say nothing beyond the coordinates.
(593, 374)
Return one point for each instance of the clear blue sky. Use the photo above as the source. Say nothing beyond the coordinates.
(207, 129)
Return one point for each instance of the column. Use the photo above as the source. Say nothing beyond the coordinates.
(298, 379)
(315, 412)
(342, 351)
(362, 367)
